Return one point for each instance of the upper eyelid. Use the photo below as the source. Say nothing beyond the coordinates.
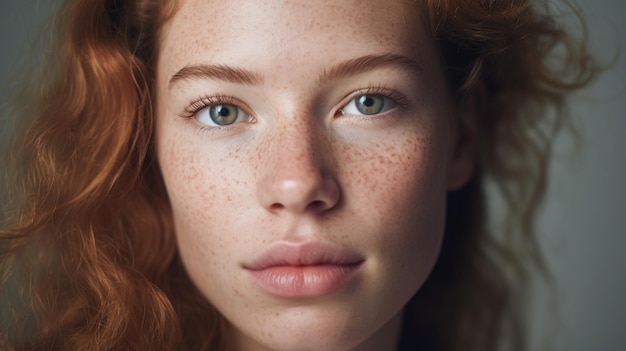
(211, 100)
(205, 101)
(400, 99)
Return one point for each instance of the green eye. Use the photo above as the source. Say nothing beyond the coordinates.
(370, 104)
(223, 115)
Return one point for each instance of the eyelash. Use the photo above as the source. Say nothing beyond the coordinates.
(203, 102)
(207, 101)
(401, 101)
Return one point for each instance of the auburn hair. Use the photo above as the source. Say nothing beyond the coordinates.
(88, 257)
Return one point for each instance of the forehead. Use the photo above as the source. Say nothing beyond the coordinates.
(254, 33)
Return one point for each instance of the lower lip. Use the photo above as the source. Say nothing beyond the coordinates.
(304, 281)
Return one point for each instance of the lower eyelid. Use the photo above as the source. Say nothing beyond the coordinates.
(389, 104)
(212, 100)
(242, 117)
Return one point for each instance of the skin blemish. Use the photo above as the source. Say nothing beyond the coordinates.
(373, 185)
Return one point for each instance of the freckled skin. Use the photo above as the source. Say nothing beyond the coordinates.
(301, 171)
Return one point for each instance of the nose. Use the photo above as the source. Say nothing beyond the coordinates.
(296, 174)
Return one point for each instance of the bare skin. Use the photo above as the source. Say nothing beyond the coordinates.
(322, 123)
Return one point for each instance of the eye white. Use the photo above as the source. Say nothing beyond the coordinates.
(368, 105)
(220, 115)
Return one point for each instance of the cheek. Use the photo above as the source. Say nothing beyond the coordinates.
(399, 188)
(397, 181)
(205, 195)
(203, 186)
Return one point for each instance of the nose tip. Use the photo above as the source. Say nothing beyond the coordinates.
(301, 192)
(297, 173)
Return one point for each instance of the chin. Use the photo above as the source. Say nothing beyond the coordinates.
(305, 329)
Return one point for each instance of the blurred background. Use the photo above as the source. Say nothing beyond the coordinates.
(583, 225)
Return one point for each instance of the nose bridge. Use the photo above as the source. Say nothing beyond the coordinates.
(296, 174)
(297, 144)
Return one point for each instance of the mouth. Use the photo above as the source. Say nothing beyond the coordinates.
(303, 270)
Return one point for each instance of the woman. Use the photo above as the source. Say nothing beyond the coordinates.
(247, 175)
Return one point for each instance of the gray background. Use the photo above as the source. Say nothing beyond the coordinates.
(583, 229)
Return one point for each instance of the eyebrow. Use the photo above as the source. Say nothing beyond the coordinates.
(220, 72)
(369, 63)
(344, 69)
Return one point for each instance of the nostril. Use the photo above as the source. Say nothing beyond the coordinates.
(276, 207)
(314, 206)
(318, 205)
(298, 192)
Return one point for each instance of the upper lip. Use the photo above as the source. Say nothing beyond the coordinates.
(286, 253)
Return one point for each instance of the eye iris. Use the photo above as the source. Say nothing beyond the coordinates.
(224, 114)
(370, 104)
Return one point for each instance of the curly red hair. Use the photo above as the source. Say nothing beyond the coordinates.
(88, 254)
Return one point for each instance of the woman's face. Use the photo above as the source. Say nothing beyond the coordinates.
(306, 147)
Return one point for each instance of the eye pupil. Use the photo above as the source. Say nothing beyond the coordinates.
(368, 101)
(224, 114)
(370, 104)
